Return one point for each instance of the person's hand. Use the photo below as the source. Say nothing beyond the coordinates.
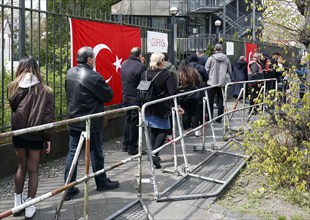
(180, 110)
(47, 147)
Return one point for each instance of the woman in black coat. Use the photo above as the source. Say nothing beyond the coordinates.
(189, 80)
(157, 115)
(239, 73)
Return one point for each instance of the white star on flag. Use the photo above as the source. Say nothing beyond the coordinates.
(117, 63)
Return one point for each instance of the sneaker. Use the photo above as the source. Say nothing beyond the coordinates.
(135, 152)
(156, 162)
(197, 133)
(71, 193)
(29, 211)
(109, 185)
(18, 200)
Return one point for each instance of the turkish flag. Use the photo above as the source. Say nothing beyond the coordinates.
(250, 49)
(111, 44)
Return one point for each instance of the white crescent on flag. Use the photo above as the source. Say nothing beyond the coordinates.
(96, 50)
(117, 63)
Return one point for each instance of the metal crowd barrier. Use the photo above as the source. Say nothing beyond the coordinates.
(84, 135)
(200, 173)
(179, 135)
(242, 95)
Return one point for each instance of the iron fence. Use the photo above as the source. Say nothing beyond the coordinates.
(41, 29)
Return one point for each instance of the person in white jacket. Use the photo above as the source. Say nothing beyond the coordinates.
(219, 69)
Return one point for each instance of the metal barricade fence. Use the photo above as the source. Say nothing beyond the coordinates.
(177, 129)
(242, 95)
(178, 135)
(87, 176)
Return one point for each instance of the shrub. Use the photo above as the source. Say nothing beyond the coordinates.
(279, 142)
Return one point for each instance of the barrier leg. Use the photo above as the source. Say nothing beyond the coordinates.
(73, 165)
(87, 158)
(186, 168)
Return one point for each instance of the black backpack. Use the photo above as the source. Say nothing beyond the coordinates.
(146, 89)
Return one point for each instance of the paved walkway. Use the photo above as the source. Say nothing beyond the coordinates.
(104, 204)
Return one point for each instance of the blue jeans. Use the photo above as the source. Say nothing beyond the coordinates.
(96, 155)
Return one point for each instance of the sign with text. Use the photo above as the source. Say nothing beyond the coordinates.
(157, 42)
(229, 48)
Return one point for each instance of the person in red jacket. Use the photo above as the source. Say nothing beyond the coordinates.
(31, 101)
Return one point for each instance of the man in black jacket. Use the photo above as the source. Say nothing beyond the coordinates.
(131, 72)
(86, 92)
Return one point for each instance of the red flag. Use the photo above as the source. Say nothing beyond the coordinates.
(111, 43)
(250, 49)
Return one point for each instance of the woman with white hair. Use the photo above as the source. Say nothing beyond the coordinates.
(255, 72)
(157, 115)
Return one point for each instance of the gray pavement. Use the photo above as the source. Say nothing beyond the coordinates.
(103, 204)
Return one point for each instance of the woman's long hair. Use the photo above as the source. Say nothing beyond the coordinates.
(188, 76)
(26, 65)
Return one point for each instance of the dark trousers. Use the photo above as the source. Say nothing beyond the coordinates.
(158, 137)
(211, 94)
(96, 155)
(131, 133)
(191, 115)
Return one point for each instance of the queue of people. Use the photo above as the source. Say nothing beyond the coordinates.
(31, 101)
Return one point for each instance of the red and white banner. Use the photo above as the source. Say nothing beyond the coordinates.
(111, 44)
(250, 49)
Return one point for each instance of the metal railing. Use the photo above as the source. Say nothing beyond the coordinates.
(179, 135)
(87, 176)
(178, 129)
(242, 96)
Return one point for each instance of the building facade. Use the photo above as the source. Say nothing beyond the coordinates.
(197, 17)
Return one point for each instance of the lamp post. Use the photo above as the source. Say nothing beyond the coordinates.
(217, 24)
(173, 11)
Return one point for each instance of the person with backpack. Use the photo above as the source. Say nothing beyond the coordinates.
(157, 115)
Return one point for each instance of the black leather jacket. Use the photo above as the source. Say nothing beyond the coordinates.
(131, 73)
(86, 92)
